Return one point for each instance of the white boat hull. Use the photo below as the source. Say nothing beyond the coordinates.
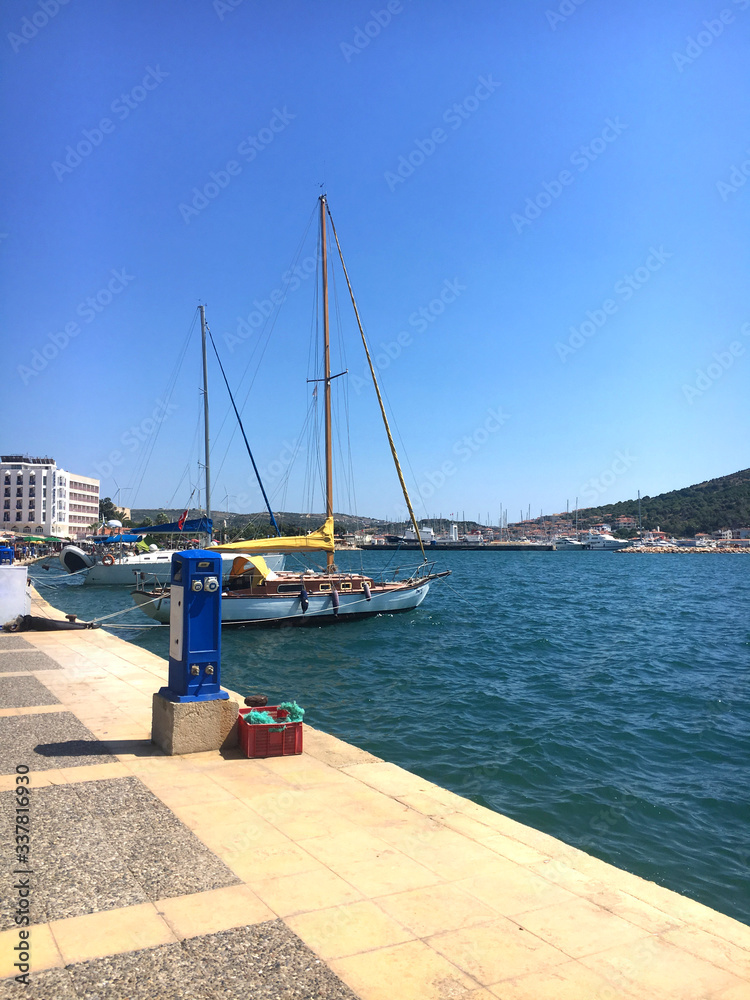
(568, 545)
(154, 565)
(283, 611)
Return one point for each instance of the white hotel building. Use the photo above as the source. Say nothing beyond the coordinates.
(40, 499)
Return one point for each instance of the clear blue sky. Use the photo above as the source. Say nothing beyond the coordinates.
(581, 173)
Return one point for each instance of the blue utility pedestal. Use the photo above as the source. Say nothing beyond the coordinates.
(192, 713)
(195, 628)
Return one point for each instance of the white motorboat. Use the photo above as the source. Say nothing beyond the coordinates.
(563, 543)
(603, 541)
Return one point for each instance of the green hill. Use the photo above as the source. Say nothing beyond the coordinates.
(710, 506)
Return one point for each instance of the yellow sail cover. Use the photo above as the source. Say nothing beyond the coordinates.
(317, 541)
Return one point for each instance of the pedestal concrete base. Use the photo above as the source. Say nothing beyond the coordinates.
(192, 727)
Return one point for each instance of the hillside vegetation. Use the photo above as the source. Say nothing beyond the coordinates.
(710, 506)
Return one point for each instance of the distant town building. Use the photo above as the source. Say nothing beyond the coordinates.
(624, 523)
(40, 499)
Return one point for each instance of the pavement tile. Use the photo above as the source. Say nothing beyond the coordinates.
(24, 691)
(657, 970)
(14, 662)
(347, 847)
(386, 874)
(388, 778)
(571, 981)
(31, 710)
(410, 971)
(508, 888)
(281, 857)
(235, 843)
(42, 741)
(713, 949)
(313, 890)
(635, 910)
(450, 855)
(212, 911)
(348, 929)
(507, 847)
(264, 962)
(53, 984)
(44, 953)
(579, 928)
(96, 935)
(496, 950)
(436, 908)
(14, 642)
(167, 972)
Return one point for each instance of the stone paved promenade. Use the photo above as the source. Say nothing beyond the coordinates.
(327, 875)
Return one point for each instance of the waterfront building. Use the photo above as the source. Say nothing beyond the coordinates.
(41, 499)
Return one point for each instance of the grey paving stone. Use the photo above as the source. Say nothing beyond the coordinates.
(265, 961)
(17, 660)
(10, 641)
(25, 691)
(259, 962)
(86, 859)
(54, 984)
(165, 856)
(164, 973)
(57, 739)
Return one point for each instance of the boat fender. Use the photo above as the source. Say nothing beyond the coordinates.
(108, 560)
(366, 591)
(303, 599)
(335, 600)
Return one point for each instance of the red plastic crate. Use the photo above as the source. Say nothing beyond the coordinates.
(261, 740)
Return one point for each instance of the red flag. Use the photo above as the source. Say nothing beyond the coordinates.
(181, 522)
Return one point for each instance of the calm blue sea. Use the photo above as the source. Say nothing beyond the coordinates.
(601, 698)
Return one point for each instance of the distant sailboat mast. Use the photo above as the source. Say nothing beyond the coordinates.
(205, 415)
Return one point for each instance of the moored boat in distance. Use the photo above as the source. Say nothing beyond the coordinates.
(563, 543)
(603, 541)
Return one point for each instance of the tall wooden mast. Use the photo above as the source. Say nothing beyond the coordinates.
(327, 375)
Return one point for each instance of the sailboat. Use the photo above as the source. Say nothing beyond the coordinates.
(255, 594)
(113, 567)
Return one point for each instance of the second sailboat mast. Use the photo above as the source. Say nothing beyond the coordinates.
(327, 373)
(205, 413)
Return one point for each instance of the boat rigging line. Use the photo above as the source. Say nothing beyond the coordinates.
(242, 429)
(377, 388)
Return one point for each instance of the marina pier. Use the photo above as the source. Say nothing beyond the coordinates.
(332, 874)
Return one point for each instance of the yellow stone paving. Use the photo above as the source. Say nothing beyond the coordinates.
(405, 889)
